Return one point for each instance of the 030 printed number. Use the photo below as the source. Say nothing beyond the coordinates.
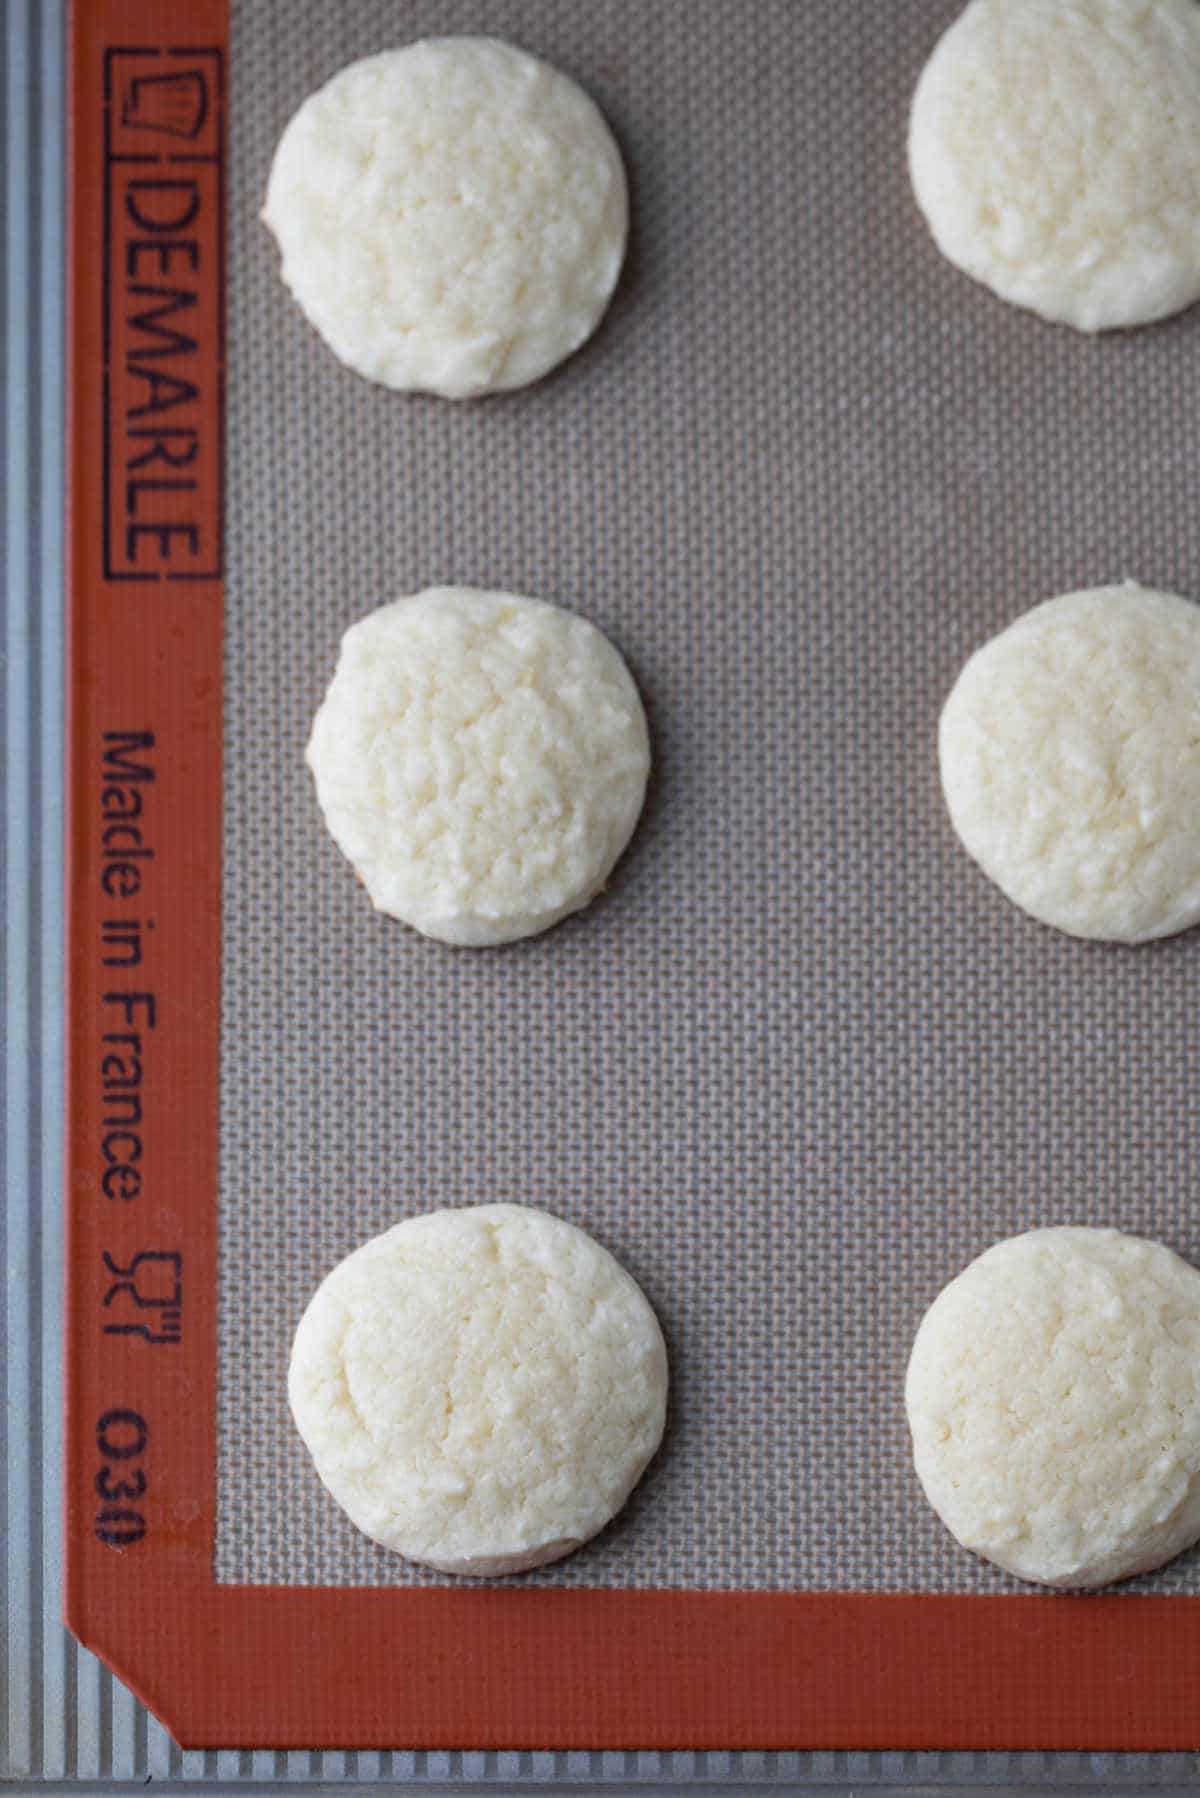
(121, 1437)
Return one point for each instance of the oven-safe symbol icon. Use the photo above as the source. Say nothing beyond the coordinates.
(153, 1281)
(176, 105)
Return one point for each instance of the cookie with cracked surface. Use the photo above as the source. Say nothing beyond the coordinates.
(481, 759)
(451, 216)
(1053, 1395)
(1070, 762)
(480, 1389)
(1055, 153)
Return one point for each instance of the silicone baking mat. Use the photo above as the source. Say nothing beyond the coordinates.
(796, 1067)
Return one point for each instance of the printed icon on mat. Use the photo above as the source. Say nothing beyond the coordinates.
(176, 103)
(163, 104)
(153, 1282)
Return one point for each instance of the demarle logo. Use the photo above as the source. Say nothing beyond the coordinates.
(163, 358)
(175, 104)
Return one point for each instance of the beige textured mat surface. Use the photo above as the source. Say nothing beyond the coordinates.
(802, 1062)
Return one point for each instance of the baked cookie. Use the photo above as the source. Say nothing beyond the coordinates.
(481, 759)
(1055, 152)
(1054, 1400)
(1070, 760)
(451, 216)
(480, 1389)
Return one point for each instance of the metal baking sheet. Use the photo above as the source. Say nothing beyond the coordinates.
(798, 1065)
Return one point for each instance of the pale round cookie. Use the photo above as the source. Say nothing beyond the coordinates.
(1055, 152)
(1053, 1395)
(451, 215)
(481, 1389)
(481, 760)
(1070, 759)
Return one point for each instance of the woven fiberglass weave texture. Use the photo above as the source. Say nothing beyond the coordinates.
(802, 1062)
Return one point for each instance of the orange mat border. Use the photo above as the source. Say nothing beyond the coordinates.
(289, 1668)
